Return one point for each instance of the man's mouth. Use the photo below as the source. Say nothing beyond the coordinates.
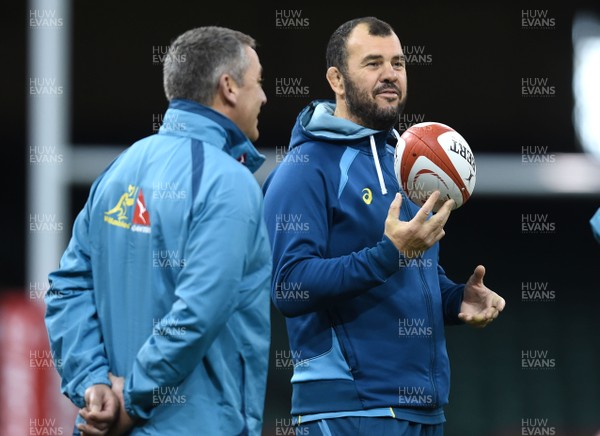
(388, 92)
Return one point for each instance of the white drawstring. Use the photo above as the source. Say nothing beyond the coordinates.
(378, 167)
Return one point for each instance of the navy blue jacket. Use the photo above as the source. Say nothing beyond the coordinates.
(365, 323)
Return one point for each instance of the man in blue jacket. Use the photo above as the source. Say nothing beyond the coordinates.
(163, 291)
(356, 263)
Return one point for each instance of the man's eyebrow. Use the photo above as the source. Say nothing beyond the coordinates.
(376, 57)
(372, 57)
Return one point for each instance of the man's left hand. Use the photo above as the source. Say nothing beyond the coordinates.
(480, 304)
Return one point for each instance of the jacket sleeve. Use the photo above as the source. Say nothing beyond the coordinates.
(71, 318)
(452, 296)
(207, 289)
(305, 279)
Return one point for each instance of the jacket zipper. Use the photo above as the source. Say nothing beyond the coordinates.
(427, 295)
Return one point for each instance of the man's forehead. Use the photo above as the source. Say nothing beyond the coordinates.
(360, 41)
(254, 59)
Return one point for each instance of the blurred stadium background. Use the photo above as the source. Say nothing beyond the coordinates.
(520, 83)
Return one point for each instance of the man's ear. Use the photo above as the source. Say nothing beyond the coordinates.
(228, 89)
(336, 80)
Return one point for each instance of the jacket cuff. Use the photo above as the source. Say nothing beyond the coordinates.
(97, 378)
(386, 258)
(133, 412)
(452, 306)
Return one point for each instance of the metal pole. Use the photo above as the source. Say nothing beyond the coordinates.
(49, 173)
(48, 90)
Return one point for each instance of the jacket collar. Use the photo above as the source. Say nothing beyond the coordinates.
(317, 122)
(190, 119)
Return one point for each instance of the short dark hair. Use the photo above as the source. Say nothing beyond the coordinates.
(197, 59)
(337, 50)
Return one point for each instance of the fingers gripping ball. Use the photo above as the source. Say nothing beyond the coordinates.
(432, 156)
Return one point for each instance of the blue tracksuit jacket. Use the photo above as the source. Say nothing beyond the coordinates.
(166, 281)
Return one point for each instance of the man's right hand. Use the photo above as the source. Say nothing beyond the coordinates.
(124, 422)
(412, 238)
